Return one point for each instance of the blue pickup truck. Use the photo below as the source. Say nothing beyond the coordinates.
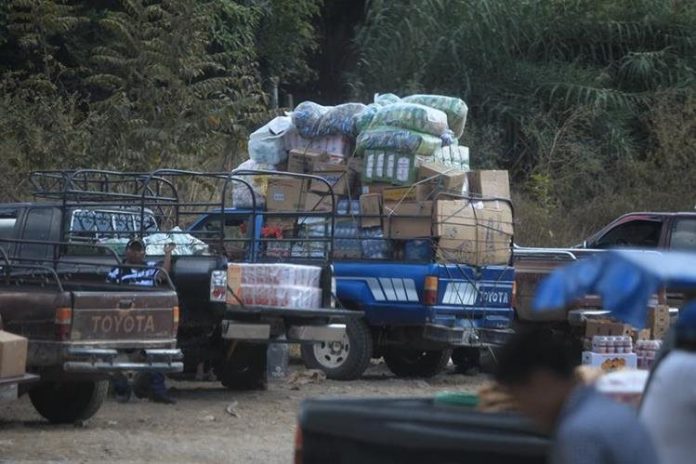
(417, 313)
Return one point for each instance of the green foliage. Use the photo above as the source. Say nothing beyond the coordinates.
(565, 84)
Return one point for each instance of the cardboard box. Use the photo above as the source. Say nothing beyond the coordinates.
(408, 220)
(334, 145)
(659, 321)
(489, 184)
(610, 361)
(286, 194)
(338, 175)
(448, 179)
(637, 335)
(318, 203)
(596, 327)
(305, 162)
(13, 354)
(371, 210)
(473, 232)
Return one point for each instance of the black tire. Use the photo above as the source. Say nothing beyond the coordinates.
(246, 368)
(404, 362)
(67, 402)
(466, 358)
(346, 361)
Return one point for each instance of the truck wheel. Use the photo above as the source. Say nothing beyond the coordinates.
(404, 362)
(466, 358)
(345, 360)
(67, 402)
(245, 369)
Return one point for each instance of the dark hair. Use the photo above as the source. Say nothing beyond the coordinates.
(533, 350)
(135, 243)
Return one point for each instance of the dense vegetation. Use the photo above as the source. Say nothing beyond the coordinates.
(590, 104)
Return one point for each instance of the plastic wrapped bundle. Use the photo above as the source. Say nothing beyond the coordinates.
(412, 116)
(418, 250)
(281, 296)
(292, 275)
(374, 245)
(314, 120)
(363, 119)
(186, 244)
(455, 157)
(267, 144)
(241, 195)
(345, 243)
(400, 140)
(455, 109)
(386, 99)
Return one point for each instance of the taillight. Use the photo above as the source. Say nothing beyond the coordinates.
(175, 318)
(514, 294)
(298, 445)
(430, 290)
(218, 286)
(63, 323)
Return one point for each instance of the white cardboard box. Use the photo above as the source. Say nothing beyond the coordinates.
(610, 361)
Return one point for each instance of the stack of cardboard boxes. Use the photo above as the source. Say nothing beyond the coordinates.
(606, 332)
(381, 216)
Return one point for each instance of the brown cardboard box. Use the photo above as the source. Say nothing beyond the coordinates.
(318, 203)
(450, 180)
(659, 321)
(13, 354)
(305, 162)
(408, 220)
(637, 335)
(285, 194)
(473, 232)
(491, 184)
(596, 327)
(370, 210)
(338, 175)
(333, 145)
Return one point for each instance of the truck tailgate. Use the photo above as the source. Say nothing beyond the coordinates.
(132, 315)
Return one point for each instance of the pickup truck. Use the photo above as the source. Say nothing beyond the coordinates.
(656, 231)
(81, 329)
(412, 430)
(216, 327)
(412, 312)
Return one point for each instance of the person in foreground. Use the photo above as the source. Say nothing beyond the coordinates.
(149, 384)
(537, 369)
(669, 403)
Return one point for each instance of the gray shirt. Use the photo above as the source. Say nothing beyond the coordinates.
(593, 429)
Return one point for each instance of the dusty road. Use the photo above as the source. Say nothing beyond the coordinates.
(197, 429)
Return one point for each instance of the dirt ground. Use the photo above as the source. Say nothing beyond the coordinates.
(198, 429)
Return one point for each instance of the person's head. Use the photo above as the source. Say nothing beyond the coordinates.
(537, 368)
(135, 251)
(685, 330)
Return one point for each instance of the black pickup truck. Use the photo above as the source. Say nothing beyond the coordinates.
(410, 431)
(81, 329)
(218, 326)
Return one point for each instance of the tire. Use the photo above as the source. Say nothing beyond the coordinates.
(246, 368)
(466, 358)
(404, 362)
(67, 402)
(346, 360)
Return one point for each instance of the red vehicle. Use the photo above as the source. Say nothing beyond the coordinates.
(658, 231)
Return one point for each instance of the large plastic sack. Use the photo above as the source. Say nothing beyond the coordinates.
(400, 140)
(363, 119)
(241, 195)
(386, 99)
(186, 244)
(455, 109)
(313, 120)
(412, 116)
(267, 144)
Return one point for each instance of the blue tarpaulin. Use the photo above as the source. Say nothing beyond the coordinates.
(624, 279)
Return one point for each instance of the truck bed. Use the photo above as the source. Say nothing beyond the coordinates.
(414, 430)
